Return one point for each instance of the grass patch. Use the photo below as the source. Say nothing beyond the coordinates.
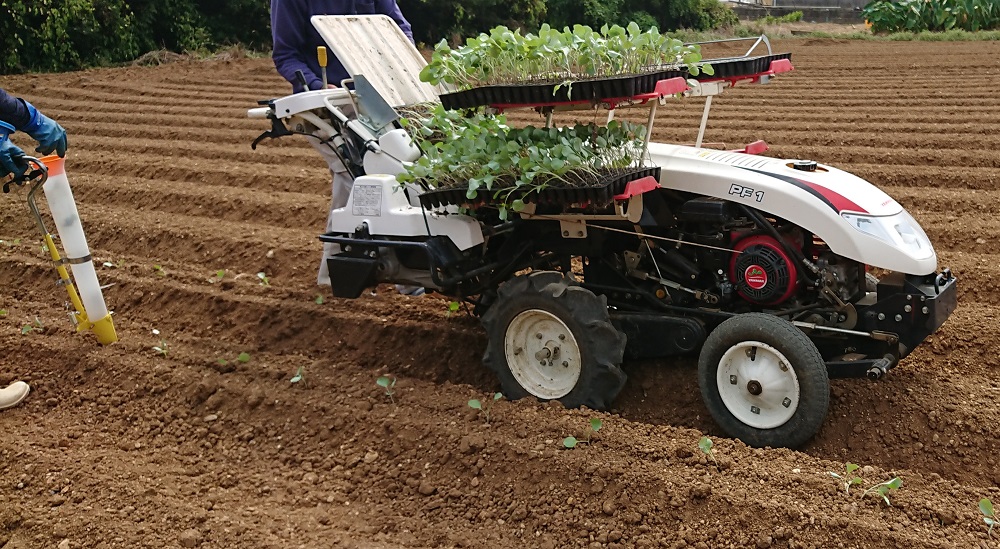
(228, 53)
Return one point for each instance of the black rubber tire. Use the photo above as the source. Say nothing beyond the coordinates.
(806, 362)
(585, 314)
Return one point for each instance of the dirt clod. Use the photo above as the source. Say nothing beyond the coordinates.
(470, 444)
(426, 488)
(190, 538)
(609, 507)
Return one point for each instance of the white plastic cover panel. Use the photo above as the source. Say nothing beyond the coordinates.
(373, 45)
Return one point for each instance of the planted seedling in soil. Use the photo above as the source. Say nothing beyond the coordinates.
(452, 308)
(848, 478)
(158, 269)
(300, 376)
(35, 325)
(485, 410)
(595, 426)
(986, 508)
(705, 445)
(264, 279)
(882, 489)
(319, 300)
(388, 384)
(243, 358)
(162, 347)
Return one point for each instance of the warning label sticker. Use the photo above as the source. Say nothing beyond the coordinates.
(367, 200)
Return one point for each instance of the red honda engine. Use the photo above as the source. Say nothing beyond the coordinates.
(762, 271)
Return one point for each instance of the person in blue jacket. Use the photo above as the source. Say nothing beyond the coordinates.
(295, 39)
(18, 115)
(295, 43)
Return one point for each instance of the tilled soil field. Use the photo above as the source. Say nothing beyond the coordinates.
(126, 446)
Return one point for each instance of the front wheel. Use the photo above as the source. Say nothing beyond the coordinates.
(552, 339)
(764, 381)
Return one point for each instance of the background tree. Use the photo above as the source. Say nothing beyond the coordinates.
(59, 35)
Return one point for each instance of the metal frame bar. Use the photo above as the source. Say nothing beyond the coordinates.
(757, 41)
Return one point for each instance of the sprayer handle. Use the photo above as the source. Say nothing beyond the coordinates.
(39, 171)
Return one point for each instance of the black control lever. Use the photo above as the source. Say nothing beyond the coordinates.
(277, 130)
(22, 178)
(301, 77)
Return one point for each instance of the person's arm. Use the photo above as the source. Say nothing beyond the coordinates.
(14, 111)
(23, 116)
(289, 23)
(391, 8)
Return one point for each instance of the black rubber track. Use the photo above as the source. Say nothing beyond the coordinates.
(585, 314)
(806, 362)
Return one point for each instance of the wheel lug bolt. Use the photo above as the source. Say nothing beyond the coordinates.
(565, 364)
(562, 337)
(538, 335)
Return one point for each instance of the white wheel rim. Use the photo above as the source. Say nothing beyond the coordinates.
(542, 354)
(758, 385)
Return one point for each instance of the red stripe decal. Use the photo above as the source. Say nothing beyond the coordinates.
(837, 200)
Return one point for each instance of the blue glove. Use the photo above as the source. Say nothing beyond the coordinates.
(50, 135)
(11, 156)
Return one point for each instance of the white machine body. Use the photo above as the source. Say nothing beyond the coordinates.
(856, 219)
(379, 202)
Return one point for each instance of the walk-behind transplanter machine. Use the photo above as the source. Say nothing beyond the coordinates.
(765, 267)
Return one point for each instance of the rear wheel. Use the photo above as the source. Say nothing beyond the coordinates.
(554, 340)
(764, 381)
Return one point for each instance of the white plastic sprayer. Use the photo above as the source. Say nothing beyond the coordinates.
(89, 302)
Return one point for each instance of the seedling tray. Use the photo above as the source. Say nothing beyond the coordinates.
(597, 192)
(579, 90)
(735, 67)
(601, 88)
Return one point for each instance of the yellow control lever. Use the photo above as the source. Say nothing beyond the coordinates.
(321, 54)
